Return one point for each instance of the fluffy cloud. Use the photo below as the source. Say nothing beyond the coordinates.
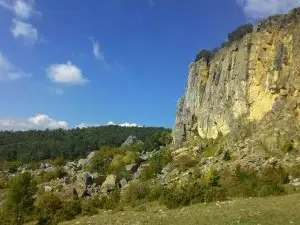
(22, 9)
(111, 123)
(8, 71)
(66, 74)
(257, 9)
(37, 122)
(24, 30)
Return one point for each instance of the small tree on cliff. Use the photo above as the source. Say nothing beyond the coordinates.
(204, 54)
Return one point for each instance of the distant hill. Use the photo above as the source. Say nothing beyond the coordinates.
(38, 145)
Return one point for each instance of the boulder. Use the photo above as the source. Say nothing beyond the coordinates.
(109, 184)
(123, 183)
(48, 188)
(131, 140)
(132, 167)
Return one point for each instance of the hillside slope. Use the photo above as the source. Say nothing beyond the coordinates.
(265, 211)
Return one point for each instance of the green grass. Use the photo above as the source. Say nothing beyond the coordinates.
(210, 151)
(251, 211)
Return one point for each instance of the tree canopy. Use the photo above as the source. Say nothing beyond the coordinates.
(39, 145)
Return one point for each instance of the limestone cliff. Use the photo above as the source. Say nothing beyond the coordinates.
(250, 89)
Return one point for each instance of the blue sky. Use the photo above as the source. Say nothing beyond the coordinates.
(70, 62)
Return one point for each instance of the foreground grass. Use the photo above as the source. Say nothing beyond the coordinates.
(252, 211)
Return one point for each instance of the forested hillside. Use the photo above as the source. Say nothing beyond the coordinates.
(70, 144)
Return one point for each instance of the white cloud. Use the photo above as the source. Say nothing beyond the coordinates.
(85, 125)
(128, 125)
(24, 30)
(66, 74)
(37, 122)
(4, 4)
(257, 9)
(8, 71)
(110, 123)
(22, 9)
(96, 50)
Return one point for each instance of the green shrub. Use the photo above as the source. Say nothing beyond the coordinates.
(287, 146)
(156, 163)
(45, 177)
(184, 162)
(294, 170)
(157, 140)
(212, 177)
(87, 208)
(4, 183)
(148, 173)
(101, 161)
(47, 206)
(70, 210)
(135, 191)
(18, 204)
(108, 202)
(227, 156)
(194, 191)
(155, 192)
(247, 183)
(240, 32)
(210, 151)
(204, 54)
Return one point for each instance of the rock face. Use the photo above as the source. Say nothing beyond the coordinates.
(131, 140)
(251, 88)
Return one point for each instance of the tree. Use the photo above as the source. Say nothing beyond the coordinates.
(19, 200)
(205, 54)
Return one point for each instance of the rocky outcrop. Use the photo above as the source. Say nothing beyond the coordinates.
(131, 140)
(250, 89)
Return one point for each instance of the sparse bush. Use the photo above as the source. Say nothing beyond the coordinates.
(159, 139)
(155, 192)
(247, 183)
(287, 146)
(109, 202)
(212, 177)
(47, 206)
(44, 177)
(70, 210)
(194, 191)
(184, 162)
(205, 55)
(136, 191)
(210, 151)
(18, 204)
(227, 156)
(4, 183)
(240, 32)
(87, 208)
(294, 170)
(156, 163)
(101, 161)
(58, 161)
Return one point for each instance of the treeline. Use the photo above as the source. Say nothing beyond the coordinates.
(37, 145)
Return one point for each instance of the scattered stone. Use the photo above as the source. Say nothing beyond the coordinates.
(123, 183)
(48, 189)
